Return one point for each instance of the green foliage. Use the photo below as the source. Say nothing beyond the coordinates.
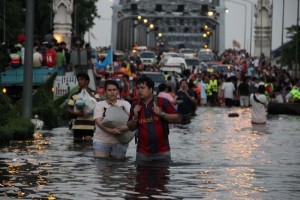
(289, 49)
(86, 13)
(48, 113)
(15, 18)
(7, 110)
(43, 17)
(16, 128)
(45, 107)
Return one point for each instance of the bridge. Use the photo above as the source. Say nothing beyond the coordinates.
(193, 24)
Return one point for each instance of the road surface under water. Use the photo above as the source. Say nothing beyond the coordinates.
(214, 157)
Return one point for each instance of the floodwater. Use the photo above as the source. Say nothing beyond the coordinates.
(214, 157)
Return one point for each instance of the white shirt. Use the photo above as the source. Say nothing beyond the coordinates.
(228, 89)
(37, 59)
(99, 134)
(259, 114)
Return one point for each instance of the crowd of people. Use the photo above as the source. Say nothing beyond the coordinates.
(251, 83)
(47, 51)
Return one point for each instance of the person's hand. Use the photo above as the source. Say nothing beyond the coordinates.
(80, 113)
(116, 131)
(156, 110)
(136, 110)
(123, 129)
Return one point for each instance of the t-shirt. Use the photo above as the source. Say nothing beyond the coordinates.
(60, 59)
(259, 114)
(37, 59)
(186, 106)
(99, 112)
(228, 88)
(243, 89)
(82, 122)
(50, 58)
(153, 130)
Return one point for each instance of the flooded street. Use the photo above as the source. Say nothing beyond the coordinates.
(214, 157)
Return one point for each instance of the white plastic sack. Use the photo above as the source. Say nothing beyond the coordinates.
(86, 102)
(115, 116)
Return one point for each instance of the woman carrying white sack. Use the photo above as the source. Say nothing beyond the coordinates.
(111, 117)
(259, 103)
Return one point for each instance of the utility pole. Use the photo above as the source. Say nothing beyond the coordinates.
(297, 35)
(282, 29)
(27, 79)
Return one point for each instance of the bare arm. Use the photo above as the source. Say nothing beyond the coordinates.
(114, 131)
(132, 124)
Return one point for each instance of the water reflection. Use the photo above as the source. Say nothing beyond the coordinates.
(214, 157)
(151, 180)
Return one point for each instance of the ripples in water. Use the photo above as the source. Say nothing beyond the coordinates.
(214, 157)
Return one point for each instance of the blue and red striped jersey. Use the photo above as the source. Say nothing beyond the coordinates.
(153, 130)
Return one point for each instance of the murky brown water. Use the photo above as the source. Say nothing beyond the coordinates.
(215, 157)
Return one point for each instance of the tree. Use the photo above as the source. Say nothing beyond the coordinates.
(289, 49)
(15, 17)
(86, 13)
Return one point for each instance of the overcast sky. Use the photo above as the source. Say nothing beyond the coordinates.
(234, 22)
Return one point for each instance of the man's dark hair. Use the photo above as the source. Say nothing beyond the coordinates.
(183, 80)
(146, 80)
(83, 75)
(261, 89)
(111, 82)
(162, 87)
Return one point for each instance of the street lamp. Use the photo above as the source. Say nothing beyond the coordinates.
(210, 13)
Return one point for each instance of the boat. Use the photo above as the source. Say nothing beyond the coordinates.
(284, 108)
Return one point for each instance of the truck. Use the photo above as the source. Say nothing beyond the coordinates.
(12, 79)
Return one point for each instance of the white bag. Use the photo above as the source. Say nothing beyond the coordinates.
(88, 101)
(115, 116)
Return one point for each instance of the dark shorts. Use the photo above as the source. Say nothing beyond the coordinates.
(185, 118)
(79, 134)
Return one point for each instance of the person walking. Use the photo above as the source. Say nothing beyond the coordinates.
(259, 103)
(228, 89)
(151, 121)
(185, 99)
(243, 92)
(83, 124)
(163, 93)
(105, 142)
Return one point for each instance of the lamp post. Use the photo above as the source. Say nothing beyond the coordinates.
(27, 89)
(282, 28)
(297, 35)
(251, 26)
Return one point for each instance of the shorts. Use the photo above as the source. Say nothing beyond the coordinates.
(203, 101)
(165, 157)
(185, 118)
(116, 150)
(79, 134)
